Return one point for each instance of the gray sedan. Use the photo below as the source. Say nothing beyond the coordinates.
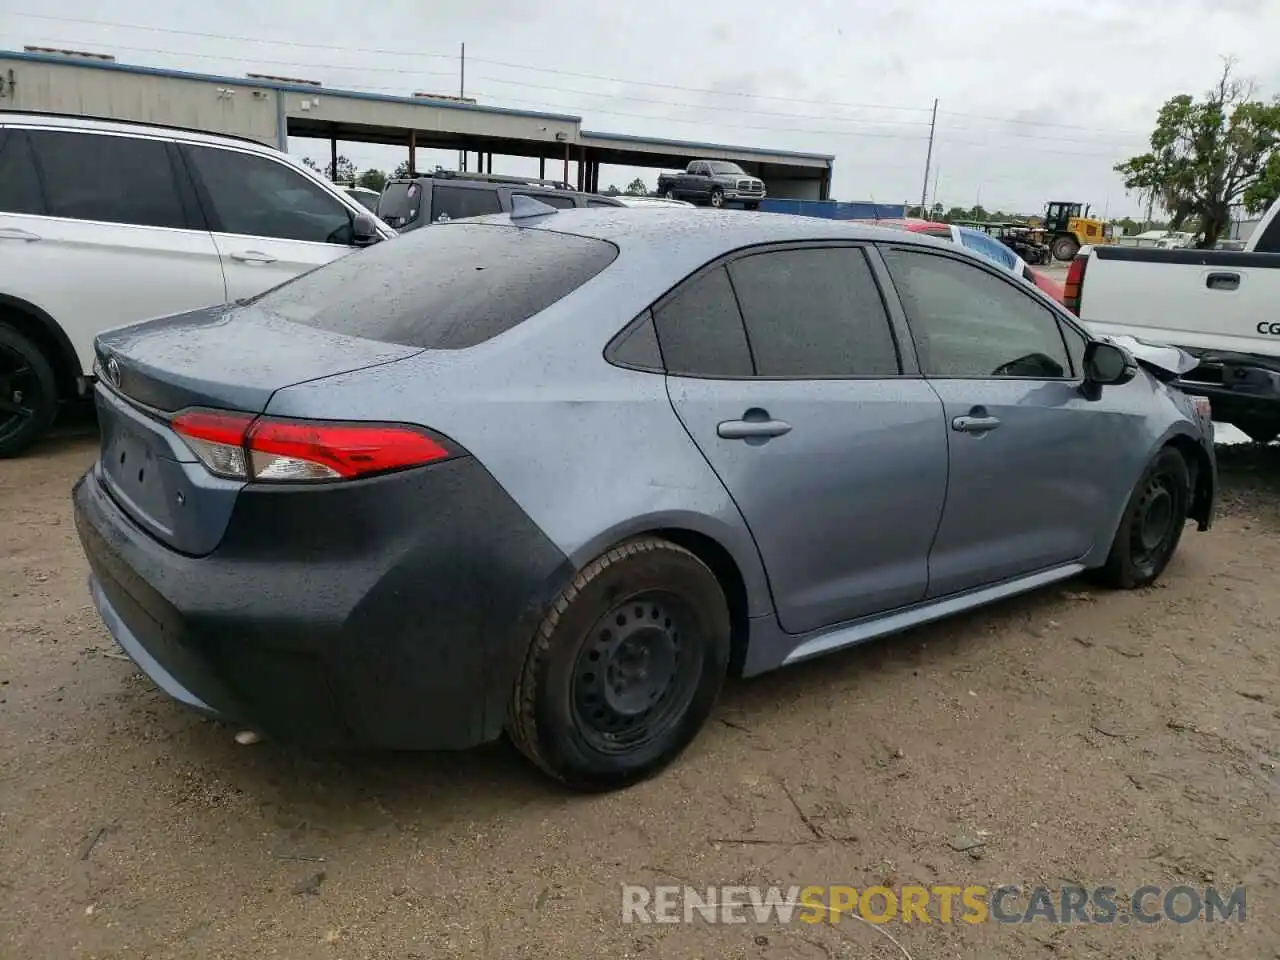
(559, 472)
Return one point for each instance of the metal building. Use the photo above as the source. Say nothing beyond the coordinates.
(272, 109)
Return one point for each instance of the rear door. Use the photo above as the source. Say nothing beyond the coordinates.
(270, 222)
(1025, 492)
(799, 401)
(100, 230)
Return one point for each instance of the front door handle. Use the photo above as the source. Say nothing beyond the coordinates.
(751, 429)
(13, 233)
(253, 256)
(1223, 281)
(975, 424)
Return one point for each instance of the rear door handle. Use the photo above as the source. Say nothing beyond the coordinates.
(1223, 281)
(253, 256)
(751, 429)
(975, 424)
(13, 233)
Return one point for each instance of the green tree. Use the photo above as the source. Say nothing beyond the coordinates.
(373, 179)
(401, 171)
(612, 191)
(344, 172)
(636, 188)
(312, 165)
(1209, 155)
(936, 212)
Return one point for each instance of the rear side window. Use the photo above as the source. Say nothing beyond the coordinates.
(454, 203)
(442, 289)
(19, 185)
(700, 329)
(814, 313)
(110, 179)
(550, 199)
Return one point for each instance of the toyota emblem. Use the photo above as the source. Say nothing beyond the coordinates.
(113, 371)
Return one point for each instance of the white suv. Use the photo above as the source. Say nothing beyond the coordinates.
(105, 223)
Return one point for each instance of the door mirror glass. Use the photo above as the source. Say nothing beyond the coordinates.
(1107, 364)
(364, 231)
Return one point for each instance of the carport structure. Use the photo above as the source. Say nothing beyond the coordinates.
(273, 109)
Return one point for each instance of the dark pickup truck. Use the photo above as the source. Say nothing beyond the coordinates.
(715, 182)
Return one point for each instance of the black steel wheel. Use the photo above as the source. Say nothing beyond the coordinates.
(625, 668)
(633, 680)
(28, 392)
(1152, 524)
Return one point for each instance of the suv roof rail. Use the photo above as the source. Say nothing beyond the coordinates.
(442, 174)
(54, 114)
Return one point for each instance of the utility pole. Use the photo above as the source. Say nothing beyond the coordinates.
(928, 157)
(936, 175)
(462, 92)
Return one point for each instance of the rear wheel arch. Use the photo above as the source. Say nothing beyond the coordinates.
(45, 332)
(721, 563)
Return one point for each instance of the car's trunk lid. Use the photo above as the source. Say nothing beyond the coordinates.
(226, 358)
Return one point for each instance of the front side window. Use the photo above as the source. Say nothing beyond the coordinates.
(256, 196)
(454, 203)
(968, 323)
(814, 313)
(108, 178)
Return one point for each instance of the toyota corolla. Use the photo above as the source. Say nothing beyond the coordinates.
(558, 473)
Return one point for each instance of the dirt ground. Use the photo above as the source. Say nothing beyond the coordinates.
(1072, 736)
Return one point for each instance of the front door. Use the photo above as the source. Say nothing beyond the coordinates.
(837, 463)
(269, 221)
(1025, 490)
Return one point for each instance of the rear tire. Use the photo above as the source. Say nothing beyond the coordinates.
(625, 668)
(1152, 524)
(28, 392)
(1065, 248)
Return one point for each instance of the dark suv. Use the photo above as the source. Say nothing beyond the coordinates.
(410, 202)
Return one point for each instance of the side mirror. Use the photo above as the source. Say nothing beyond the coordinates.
(364, 232)
(1107, 365)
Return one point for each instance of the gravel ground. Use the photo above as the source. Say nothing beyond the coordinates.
(1071, 736)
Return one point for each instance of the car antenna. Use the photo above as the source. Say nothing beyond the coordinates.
(524, 207)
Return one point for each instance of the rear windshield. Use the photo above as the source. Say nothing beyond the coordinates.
(444, 287)
(400, 203)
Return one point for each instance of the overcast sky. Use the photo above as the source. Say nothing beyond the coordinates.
(1038, 99)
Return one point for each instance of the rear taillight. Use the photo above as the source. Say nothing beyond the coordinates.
(1075, 282)
(241, 446)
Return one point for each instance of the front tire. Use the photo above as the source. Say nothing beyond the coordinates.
(625, 668)
(28, 392)
(1152, 523)
(717, 198)
(669, 194)
(1065, 248)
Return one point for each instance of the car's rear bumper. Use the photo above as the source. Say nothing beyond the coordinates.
(389, 613)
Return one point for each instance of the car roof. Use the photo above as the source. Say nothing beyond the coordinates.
(129, 127)
(693, 234)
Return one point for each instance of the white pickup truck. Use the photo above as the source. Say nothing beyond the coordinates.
(1221, 306)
